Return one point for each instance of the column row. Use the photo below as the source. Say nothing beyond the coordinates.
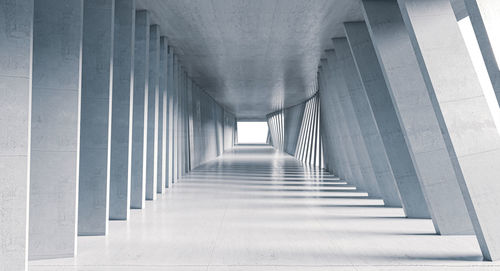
(406, 118)
(97, 116)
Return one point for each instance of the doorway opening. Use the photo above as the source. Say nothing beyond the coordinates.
(252, 132)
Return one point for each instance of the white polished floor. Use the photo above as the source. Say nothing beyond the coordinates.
(256, 209)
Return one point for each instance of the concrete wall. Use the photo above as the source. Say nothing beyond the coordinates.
(16, 36)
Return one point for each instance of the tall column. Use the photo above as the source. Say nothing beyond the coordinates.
(361, 120)
(334, 148)
(175, 118)
(16, 36)
(409, 189)
(122, 110)
(170, 114)
(57, 46)
(351, 171)
(469, 130)
(152, 124)
(392, 46)
(162, 117)
(359, 161)
(140, 110)
(484, 16)
(97, 73)
(369, 130)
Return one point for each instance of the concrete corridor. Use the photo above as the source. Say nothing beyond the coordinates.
(255, 208)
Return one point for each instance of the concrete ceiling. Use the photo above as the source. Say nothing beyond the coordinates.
(254, 56)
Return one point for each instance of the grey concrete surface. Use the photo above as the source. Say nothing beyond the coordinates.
(170, 98)
(16, 36)
(485, 20)
(175, 114)
(416, 116)
(241, 52)
(152, 112)
(122, 110)
(140, 112)
(334, 149)
(351, 163)
(370, 119)
(471, 135)
(57, 45)
(293, 120)
(162, 117)
(229, 124)
(95, 116)
(411, 199)
(358, 115)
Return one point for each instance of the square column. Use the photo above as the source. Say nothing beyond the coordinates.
(369, 130)
(358, 156)
(140, 110)
(351, 167)
(122, 110)
(16, 36)
(170, 116)
(335, 153)
(403, 172)
(162, 117)
(152, 112)
(466, 121)
(95, 119)
(175, 141)
(57, 47)
(485, 19)
(392, 51)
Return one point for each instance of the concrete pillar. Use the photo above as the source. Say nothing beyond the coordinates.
(469, 130)
(368, 127)
(122, 110)
(16, 36)
(152, 124)
(404, 174)
(392, 46)
(175, 139)
(57, 47)
(170, 98)
(360, 119)
(484, 16)
(95, 122)
(351, 171)
(362, 173)
(162, 117)
(334, 153)
(140, 112)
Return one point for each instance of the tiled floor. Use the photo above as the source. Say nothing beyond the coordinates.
(256, 209)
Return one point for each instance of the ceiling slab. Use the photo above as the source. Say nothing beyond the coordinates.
(252, 56)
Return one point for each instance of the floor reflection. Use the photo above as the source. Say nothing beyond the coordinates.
(258, 209)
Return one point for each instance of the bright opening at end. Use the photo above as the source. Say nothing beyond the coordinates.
(252, 132)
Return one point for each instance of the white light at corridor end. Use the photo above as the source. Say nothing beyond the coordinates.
(478, 62)
(252, 132)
